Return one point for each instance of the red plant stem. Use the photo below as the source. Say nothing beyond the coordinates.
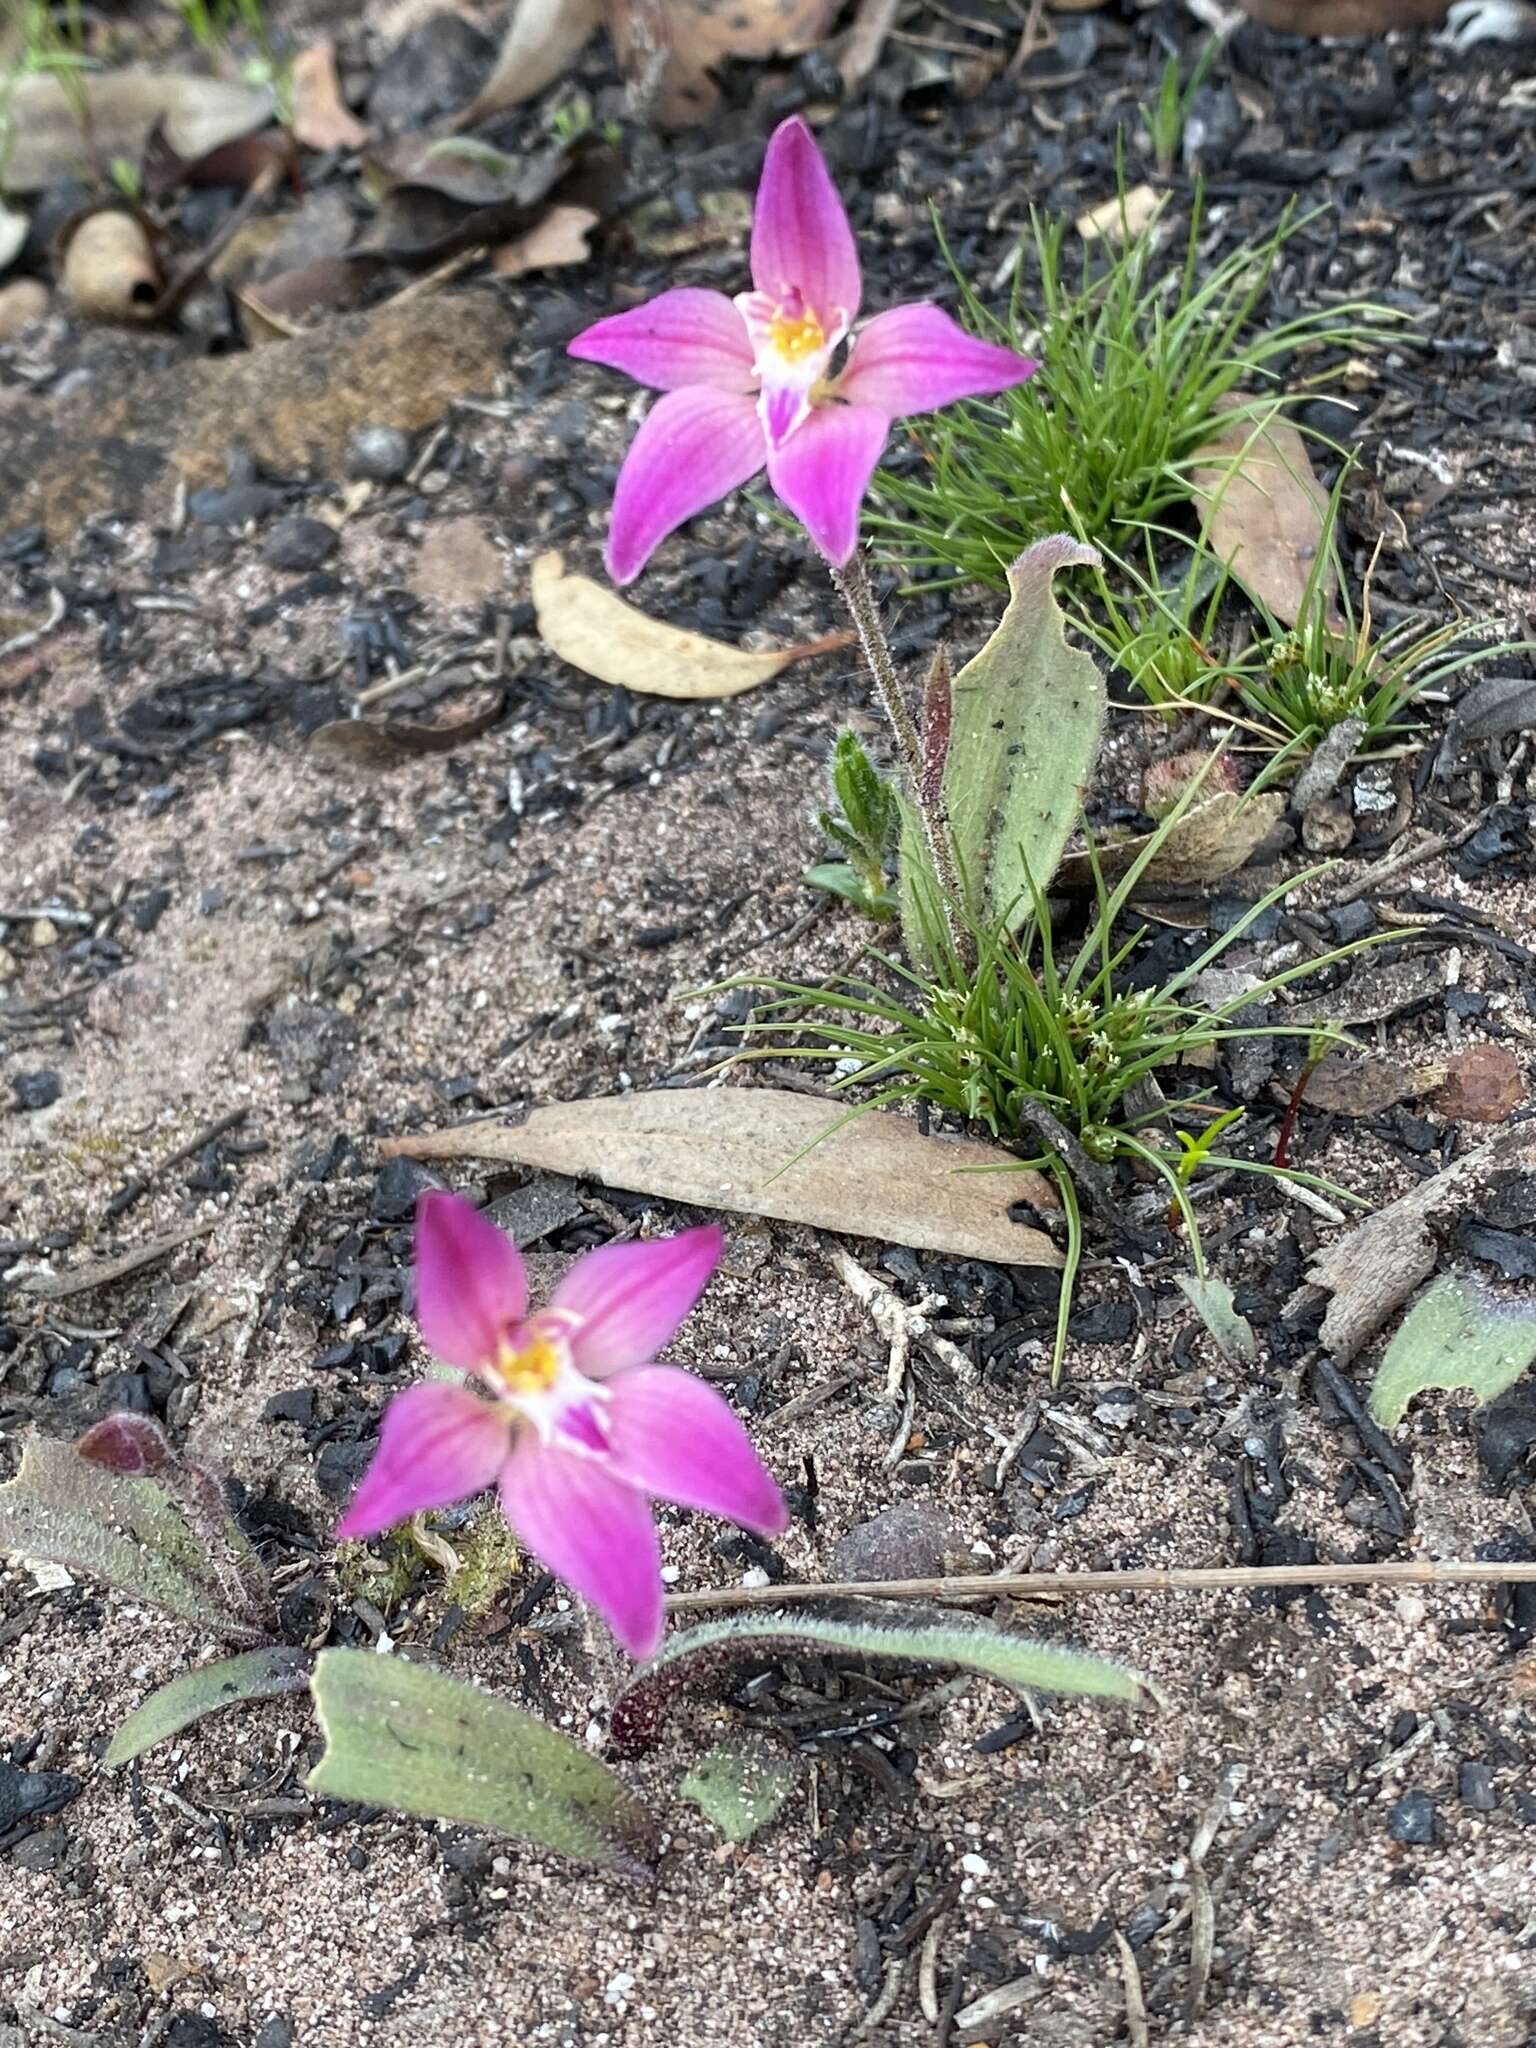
(1288, 1121)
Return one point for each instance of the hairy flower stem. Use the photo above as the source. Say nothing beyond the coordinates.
(852, 582)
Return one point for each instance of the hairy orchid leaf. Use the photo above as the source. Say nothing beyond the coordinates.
(135, 1447)
(740, 1786)
(411, 1739)
(68, 1510)
(1026, 715)
(1456, 1334)
(968, 1646)
(252, 1675)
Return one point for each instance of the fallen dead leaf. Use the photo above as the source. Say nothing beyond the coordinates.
(48, 140)
(543, 39)
(1344, 1085)
(1212, 839)
(1378, 988)
(876, 1176)
(1123, 217)
(670, 46)
(320, 118)
(559, 239)
(377, 745)
(603, 636)
(1262, 512)
(1484, 1086)
(437, 199)
(1490, 709)
(700, 35)
(865, 41)
(278, 308)
(265, 158)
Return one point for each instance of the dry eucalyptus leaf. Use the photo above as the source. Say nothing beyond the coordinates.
(697, 35)
(864, 43)
(561, 238)
(603, 636)
(1123, 217)
(321, 120)
(1262, 511)
(1212, 839)
(875, 1176)
(48, 145)
(543, 40)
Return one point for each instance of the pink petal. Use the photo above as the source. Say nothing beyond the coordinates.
(801, 240)
(916, 358)
(693, 446)
(629, 1298)
(592, 1529)
(687, 336)
(676, 1437)
(438, 1444)
(823, 470)
(470, 1284)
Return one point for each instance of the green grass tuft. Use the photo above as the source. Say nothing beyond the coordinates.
(1142, 365)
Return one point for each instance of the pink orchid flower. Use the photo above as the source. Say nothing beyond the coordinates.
(749, 381)
(581, 1429)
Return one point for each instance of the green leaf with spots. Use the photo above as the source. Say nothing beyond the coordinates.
(1456, 1334)
(402, 1736)
(253, 1675)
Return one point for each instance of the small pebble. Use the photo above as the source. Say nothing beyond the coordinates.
(1474, 1784)
(1352, 921)
(380, 454)
(1412, 1820)
(233, 504)
(37, 1090)
(297, 543)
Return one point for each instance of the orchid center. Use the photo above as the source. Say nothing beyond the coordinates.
(796, 334)
(531, 1359)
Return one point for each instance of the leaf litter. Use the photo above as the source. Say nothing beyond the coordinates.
(603, 636)
(776, 1153)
